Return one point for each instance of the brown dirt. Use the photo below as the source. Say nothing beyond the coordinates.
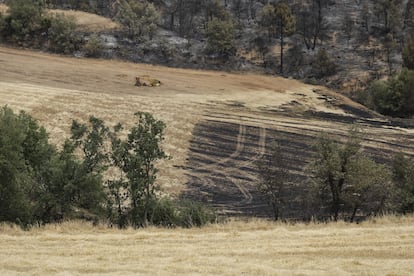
(217, 123)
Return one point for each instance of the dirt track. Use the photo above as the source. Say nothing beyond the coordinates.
(218, 123)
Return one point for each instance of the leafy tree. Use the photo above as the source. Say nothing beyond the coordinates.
(393, 97)
(220, 37)
(62, 34)
(403, 174)
(274, 176)
(368, 186)
(408, 54)
(136, 158)
(148, 18)
(24, 18)
(15, 181)
(138, 18)
(280, 21)
(93, 47)
(348, 180)
(323, 65)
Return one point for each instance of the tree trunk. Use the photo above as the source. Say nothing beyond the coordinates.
(275, 211)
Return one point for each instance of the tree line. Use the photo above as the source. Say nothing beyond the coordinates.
(344, 182)
(40, 183)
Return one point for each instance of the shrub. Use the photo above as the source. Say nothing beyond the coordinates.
(62, 35)
(24, 19)
(394, 97)
(93, 47)
(323, 65)
(220, 36)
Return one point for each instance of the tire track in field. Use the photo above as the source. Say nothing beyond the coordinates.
(231, 168)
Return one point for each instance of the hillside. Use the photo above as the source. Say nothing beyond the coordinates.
(218, 123)
(381, 247)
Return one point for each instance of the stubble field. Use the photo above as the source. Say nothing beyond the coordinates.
(218, 124)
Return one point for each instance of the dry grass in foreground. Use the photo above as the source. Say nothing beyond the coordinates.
(381, 247)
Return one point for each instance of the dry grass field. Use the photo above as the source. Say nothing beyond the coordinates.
(218, 123)
(86, 22)
(381, 247)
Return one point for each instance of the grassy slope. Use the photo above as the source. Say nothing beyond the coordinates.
(384, 247)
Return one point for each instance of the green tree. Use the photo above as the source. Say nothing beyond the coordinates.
(346, 179)
(368, 186)
(15, 182)
(24, 18)
(408, 54)
(323, 65)
(395, 96)
(62, 34)
(403, 174)
(274, 177)
(220, 37)
(280, 21)
(136, 158)
(139, 18)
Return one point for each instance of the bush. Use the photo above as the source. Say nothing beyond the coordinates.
(394, 97)
(323, 65)
(93, 47)
(174, 213)
(62, 34)
(24, 19)
(220, 36)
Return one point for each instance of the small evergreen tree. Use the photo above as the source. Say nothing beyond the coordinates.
(220, 36)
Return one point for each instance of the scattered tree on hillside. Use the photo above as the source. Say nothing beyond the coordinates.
(323, 65)
(389, 12)
(312, 25)
(138, 18)
(274, 177)
(278, 20)
(345, 178)
(62, 34)
(395, 96)
(220, 37)
(408, 54)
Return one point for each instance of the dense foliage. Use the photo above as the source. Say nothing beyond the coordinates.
(41, 184)
(395, 96)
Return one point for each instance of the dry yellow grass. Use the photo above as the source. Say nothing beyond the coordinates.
(89, 22)
(384, 247)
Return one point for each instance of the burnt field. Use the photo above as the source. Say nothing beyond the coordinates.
(221, 163)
